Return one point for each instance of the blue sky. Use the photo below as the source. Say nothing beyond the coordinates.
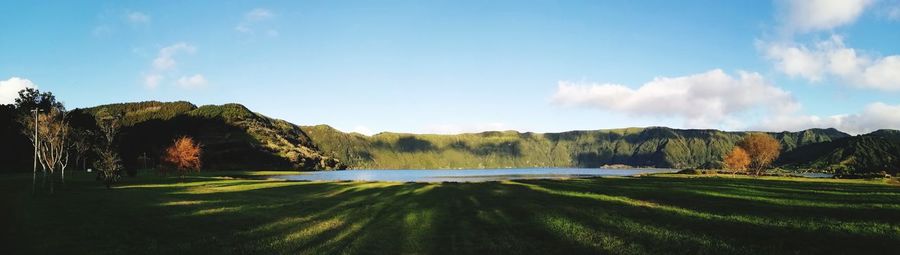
(464, 66)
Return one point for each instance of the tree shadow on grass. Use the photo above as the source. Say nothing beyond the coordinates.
(606, 215)
(763, 197)
(742, 224)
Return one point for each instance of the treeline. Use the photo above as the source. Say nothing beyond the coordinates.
(645, 147)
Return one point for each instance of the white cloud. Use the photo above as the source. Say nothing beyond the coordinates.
(875, 116)
(255, 20)
(702, 100)
(137, 18)
(194, 81)
(166, 58)
(165, 62)
(9, 89)
(464, 128)
(832, 58)
(817, 15)
(258, 14)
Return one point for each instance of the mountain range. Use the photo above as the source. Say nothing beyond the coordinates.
(236, 138)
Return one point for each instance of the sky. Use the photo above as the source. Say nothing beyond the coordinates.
(469, 66)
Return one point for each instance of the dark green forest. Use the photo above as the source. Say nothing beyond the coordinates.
(236, 138)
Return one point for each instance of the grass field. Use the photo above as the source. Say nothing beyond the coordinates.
(643, 215)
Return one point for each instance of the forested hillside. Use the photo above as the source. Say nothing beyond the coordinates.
(873, 152)
(650, 147)
(233, 137)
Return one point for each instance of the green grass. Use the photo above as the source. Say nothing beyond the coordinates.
(643, 215)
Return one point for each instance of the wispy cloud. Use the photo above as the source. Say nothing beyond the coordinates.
(166, 62)
(256, 21)
(166, 58)
(194, 81)
(101, 31)
(9, 89)
(892, 10)
(113, 21)
(258, 14)
(137, 18)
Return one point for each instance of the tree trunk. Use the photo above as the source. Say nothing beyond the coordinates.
(33, 181)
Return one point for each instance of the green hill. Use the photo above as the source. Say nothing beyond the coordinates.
(236, 138)
(233, 137)
(873, 152)
(652, 147)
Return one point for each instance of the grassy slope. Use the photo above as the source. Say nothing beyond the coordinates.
(656, 147)
(662, 214)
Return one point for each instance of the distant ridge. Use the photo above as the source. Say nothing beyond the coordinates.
(650, 147)
(234, 137)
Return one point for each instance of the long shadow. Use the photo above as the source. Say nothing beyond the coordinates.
(737, 223)
(606, 215)
(753, 197)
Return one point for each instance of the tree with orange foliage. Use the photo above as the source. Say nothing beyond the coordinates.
(182, 157)
(762, 148)
(737, 160)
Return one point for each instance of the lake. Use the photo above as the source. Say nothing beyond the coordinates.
(465, 175)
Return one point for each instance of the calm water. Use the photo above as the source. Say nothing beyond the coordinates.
(815, 175)
(465, 175)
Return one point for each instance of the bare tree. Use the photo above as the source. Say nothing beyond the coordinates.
(42, 116)
(82, 142)
(52, 135)
(53, 147)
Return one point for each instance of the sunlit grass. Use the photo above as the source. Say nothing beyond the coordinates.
(211, 213)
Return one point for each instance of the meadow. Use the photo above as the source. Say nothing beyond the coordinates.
(664, 213)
